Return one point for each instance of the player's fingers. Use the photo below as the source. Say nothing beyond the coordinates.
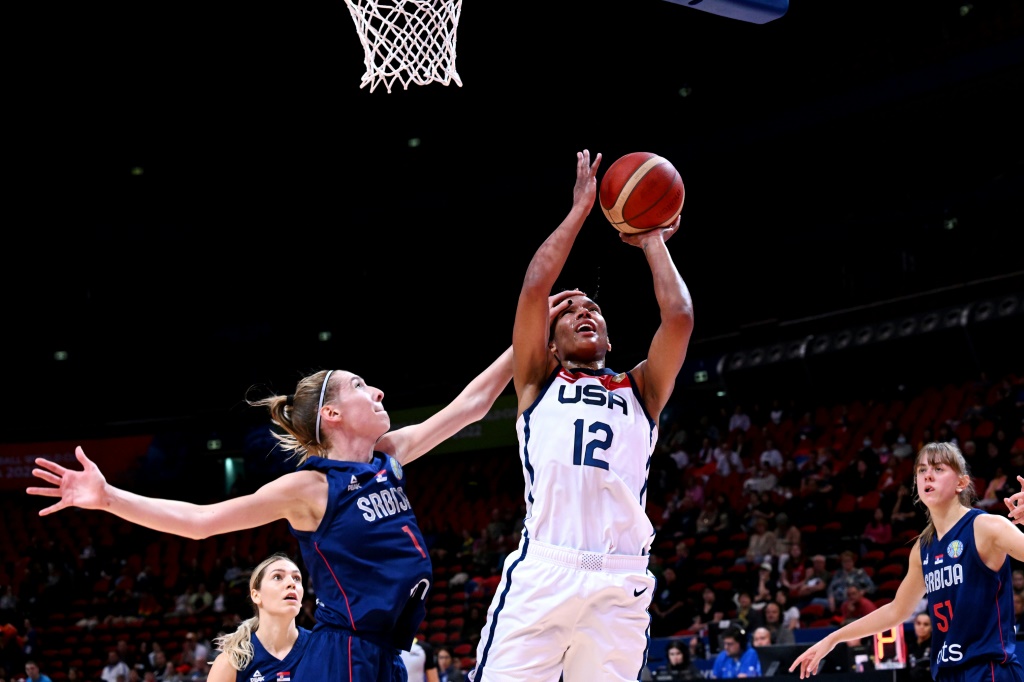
(52, 466)
(80, 456)
(47, 476)
(44, 492)
(51, 509)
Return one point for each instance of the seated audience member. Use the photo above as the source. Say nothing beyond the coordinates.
(736, 659)
(773, 623)
(848, 573)
(919, 649)
(679, 665)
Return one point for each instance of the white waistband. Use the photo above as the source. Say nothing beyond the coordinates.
(587, 561)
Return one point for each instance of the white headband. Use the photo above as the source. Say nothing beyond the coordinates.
(323, 389)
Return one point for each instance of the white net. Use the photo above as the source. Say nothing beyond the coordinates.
(408, 41)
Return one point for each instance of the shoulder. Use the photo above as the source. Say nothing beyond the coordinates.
(221, 670)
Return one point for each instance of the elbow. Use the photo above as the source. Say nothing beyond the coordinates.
(679, 318)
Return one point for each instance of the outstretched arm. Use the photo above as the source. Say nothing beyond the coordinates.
(410, 442)
(292, 496)
(656, 375)
(884, 617)
(471, 405)
(530, 332)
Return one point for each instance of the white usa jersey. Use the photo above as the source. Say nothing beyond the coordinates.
(586, 446)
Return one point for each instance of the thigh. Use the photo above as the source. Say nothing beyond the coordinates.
(612, 638)
(528, 623)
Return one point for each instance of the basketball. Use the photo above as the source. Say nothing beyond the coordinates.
(641, 191)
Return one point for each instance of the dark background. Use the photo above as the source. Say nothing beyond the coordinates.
(825, 156)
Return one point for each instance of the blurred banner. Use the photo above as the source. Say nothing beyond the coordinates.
(115, 457)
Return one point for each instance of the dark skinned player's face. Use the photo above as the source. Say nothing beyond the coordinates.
(580, 332)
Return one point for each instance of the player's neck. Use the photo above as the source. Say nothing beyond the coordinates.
(946, 517)
(593, 365)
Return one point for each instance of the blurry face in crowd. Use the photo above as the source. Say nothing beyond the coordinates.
(923, 626)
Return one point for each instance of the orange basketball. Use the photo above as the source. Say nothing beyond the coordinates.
(641, 191)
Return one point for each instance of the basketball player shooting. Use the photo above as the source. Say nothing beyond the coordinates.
(574, 595)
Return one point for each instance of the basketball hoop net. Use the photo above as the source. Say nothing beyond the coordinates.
(409, 41)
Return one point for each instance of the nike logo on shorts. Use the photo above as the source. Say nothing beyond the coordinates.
(637, 593)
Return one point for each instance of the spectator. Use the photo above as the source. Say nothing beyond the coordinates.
(856, 605)
(919, 649)
(669, 610)
(901, 449)
(11, 655)
(814, 589)
(996, 490)
(201, 600)
(771, 458)
(906, 514)
(746, 615)
(727, 460)
(708, 519)
(765, 586)
(420, 662)
(858, 480)
(847, 574)
(33, 674)
(793, 569)
(712, 609)
(200, 670)
(877, 533)
(761, 480)
(679, 664)
(760, 543)
(786, 535)
(761, 637)
(739, 421)
(775, 625)
(744, 449)
(115, 670)
(1017, 580)
(790, 613)
(448, 666)
(735, 659)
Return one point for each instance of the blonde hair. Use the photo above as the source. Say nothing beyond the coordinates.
(950, 455)
(297, 413)
(237, 645)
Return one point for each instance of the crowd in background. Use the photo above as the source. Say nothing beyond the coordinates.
(770, 515)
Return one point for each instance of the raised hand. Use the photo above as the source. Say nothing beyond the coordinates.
(85, 489)
(1015, 503)
(585, 191)
(638, 238)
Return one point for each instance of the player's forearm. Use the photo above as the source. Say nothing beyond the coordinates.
(480, 394)
(165, 516)
(550, 257)
(882, 618)
(670, 290)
